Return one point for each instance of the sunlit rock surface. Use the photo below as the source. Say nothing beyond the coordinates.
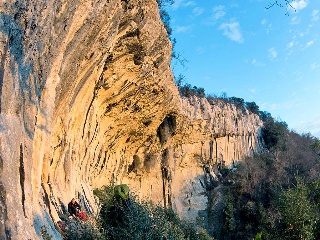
(87, 98)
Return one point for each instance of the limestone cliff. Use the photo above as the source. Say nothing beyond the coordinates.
(87, 98)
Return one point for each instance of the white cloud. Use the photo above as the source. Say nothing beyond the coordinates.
(218, 12)
(292, 104)
(315, 16)
(256, 63)
(314, 66)
(273, 54)
(311, 126)
(177, 4)
(252, 90)
(306, 45)
(189, 3)
(200, 50)
(290, 49)
(207, 78)
(290, 44)
(295, 20)
(298, 5)
(264, 21)
(269, 28)
(197, 11)
(310, 43)
(182, 3)
(182, 29)
(232, 31)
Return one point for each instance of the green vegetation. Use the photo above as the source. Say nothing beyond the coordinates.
(276, 194)
(274, 134)
(316, 146)
(128, 219)
(272, 195)
(44, 233)
(165, 18)
(164, 15)
(188, 91)
(83, 230)
(298, 213)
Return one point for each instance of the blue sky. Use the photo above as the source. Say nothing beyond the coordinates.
(266, 56)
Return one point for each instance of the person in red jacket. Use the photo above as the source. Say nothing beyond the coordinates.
(74, 208)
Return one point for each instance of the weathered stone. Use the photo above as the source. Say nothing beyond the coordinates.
(88, 98)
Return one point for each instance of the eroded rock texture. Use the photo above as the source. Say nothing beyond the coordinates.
(88, 98)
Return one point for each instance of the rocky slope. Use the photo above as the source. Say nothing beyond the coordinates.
(87, 98)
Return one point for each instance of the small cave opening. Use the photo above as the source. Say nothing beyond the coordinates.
(167, 128)
(134, 165)
(150, 161)
(147, 122)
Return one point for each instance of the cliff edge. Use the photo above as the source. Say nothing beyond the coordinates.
(87, 98)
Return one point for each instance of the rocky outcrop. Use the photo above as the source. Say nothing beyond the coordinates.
(88, 98)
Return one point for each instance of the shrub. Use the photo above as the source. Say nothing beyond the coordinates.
(187, 91)
(252, 107)
(132, 220)
(315, 146)
(274, 134)
(238, 102)
(78, 229)
(44, 234)
(298, 213)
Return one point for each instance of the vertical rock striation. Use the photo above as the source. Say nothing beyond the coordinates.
(87, 98)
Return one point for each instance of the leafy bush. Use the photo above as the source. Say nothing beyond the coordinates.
(164, 15)
(265, 116)
(238, 102)
(298, 213)
(252, 107)
(44, 234)
(187, 91)
(132, 220)
(257, 202)
(274, 134)
(315, 146)
(78, 229)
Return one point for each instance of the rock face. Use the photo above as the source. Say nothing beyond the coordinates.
(87, 98)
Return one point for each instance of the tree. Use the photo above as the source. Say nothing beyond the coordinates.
(252, 107)
(199, 91)
(287, 4)
(163, 3)
(165, 18)
(179, 80)
(298, 215)
(315, 146)
(238, 102)
(274, 134)
(187, 91)
(265, 116)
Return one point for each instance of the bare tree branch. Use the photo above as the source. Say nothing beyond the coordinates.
(283, 3)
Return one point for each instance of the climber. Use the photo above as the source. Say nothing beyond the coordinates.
(74, 208)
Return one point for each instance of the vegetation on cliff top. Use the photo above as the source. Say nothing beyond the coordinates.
(275, 194)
